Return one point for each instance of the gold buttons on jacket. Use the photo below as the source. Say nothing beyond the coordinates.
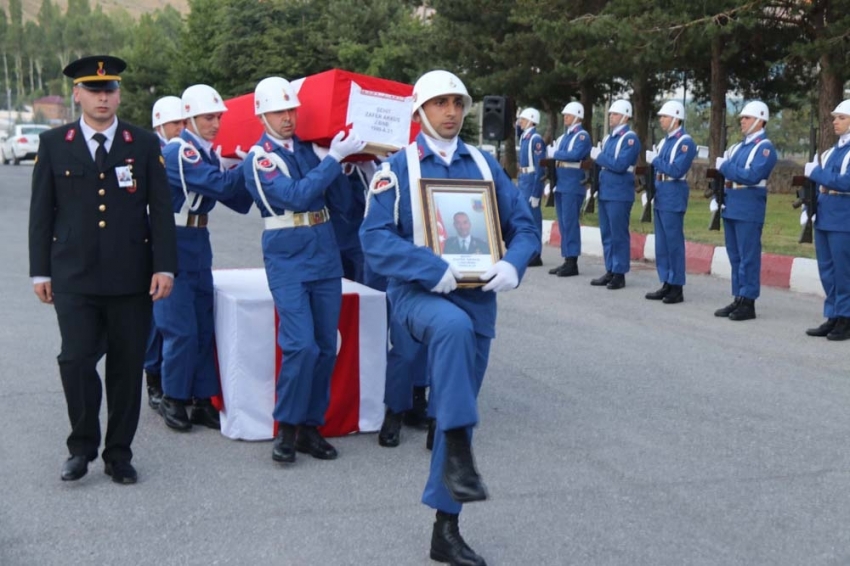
(102, 176)
(102, 223)
(102, 208)
(101, 192)
(67, 173)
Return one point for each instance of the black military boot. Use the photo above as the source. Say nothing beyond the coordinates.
(618, 281)
(554, 270)
(448, 547)
(203, 413)
(390, 435)
(536, 261)
(841, 330)
(154, 381)
(309, 441)
(602, 281)
(459, 474)
(727, 310)
(674, 296)
(824, 329)
(432, 430)
(174, 413)
(659, 294)
(569, 268)
(284, 443)
(746, 310)
(417, 417)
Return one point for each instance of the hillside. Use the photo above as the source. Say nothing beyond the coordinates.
(133, 7)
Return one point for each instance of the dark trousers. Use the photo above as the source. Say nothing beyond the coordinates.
(91, 325)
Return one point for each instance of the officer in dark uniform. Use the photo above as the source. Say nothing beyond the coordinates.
(102, 247)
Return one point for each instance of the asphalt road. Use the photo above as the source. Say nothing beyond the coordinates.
(614, 431)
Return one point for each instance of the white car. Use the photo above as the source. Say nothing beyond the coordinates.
(22, 143)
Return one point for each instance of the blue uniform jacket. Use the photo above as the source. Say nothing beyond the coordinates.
(532, 183)
(672, 196)
(574, 147)
(748, 203)
(389, 247)
(833, 210)
(617, 178)
(204, 178)
(346, 199)
(304, 253)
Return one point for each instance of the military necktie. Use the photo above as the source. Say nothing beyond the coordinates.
(100, 152)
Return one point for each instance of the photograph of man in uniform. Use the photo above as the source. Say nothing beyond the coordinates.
(465, 242)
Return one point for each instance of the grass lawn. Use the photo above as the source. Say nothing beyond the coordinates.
(781, 226)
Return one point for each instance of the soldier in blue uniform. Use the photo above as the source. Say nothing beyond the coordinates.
(167, 122)
(617, 157)
(456, 325)
(530, 179)
(288, 182)
(573, 147)
(746, 167)
(671, 160)
(832, 228)
(185, 319)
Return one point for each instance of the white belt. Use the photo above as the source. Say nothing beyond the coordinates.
(664, 178)
(569, 165)
(834, 193)
(730, 185)
(523, 170)
(629, 170)
(296, 219)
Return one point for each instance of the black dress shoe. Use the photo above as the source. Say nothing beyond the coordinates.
(203, 413)
(617, 282)
(284, 444)
(75, 467)
(417, 416)
(459, 474)
(555, 269)
(390, 435)
(174, 413)
(824, 329)
(121, 472)
(309, 441)
(448, 547)
(841, 330)
(674, 296)
(154, 381)
(659, 294)
(746, 310)
(536, 261)
(569, 268)
(727, 310)
(432, 430)
(602, 281)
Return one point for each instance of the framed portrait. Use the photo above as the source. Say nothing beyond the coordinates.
(462, 225)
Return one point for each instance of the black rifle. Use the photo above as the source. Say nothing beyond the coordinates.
(592, 181)
(551, 176)
(807, 194)
(646, 183)
(716, 189)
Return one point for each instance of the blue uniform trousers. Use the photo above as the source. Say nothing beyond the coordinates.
(536, 213)
(307, 336)
(614, 229)
(743, 245)
(457, 360)
(568, 209)
(670, 246)
(185, 320)
(833, 253)
(153, 353)
(406, 367)
(353, 264)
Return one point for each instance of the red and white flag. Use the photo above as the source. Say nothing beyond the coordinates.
(441, 230)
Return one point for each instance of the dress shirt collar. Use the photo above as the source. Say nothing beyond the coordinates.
(444, 149)
(674, 132)
(618, 129)
(89, 132)
(285, 144)
(754, 135)
(200, 142)
(842, 141)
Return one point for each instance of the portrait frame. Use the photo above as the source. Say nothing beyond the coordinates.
(445, 203)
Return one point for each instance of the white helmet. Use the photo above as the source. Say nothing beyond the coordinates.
(166, 109)
(842, 108)
(574, 108)
(623, 107)
(201, 99)
(674, 109)
(531, 114)
(439, 83)
(273, 94)
(756, 109)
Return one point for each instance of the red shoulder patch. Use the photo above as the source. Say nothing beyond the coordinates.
(684, 148)
(765, 152)
(631, 141)
(265, 163)
(268, 146)
(190, 153)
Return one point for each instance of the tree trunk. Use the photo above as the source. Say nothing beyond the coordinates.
(642, 95)
(588, 98)
(719, 86)
(831, 89)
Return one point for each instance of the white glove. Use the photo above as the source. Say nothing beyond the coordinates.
(342, 148)
(809, 167)
(804, 216)
(504, 277)
(550, 151)
(240, 152)
(594, 152)
(534, 202)
(650, 156)
(712, 206)
(719, 161)
(547, 188)
(449, 281)
(643, 198)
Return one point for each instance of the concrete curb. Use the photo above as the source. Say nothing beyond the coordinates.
(787, 272)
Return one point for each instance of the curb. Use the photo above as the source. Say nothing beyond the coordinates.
(798, 274)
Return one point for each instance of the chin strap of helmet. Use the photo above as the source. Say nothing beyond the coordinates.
(269, 130)
(430, 129)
